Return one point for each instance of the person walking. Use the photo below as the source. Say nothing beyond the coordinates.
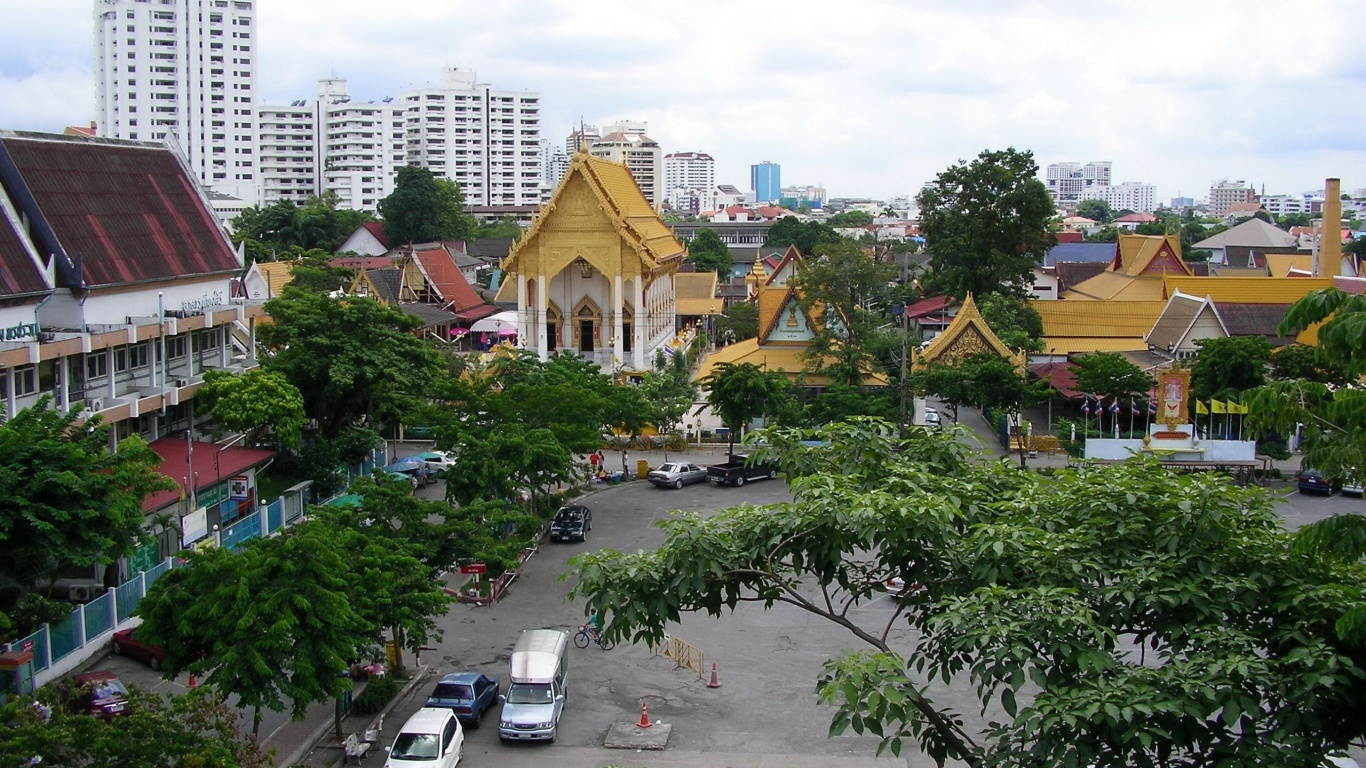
(593, 463)
(625, 464)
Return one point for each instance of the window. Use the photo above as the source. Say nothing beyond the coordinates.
(25, 381)
(96, 366)
(175, 347)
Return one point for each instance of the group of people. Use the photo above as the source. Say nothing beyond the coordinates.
(597, 464)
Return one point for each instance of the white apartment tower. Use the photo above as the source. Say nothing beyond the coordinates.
(182, 71)
(1067, 181)
(1126, 196)
(689, 180)
(485, 140)
(626, 143)
(1226, 194)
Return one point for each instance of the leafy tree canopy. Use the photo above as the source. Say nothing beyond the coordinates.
(849, 292)
(503, 228)
(987, 223)
(738, 321)
(255, 403)
(709, 253)
(423, 209)
(1095, 210)
(1014, 321)
(272, 231)
(1226, 367)
(741, 393)
(846, 219)
(805, 235)
(1114, 616)
(1302, 361)
(1110, 376)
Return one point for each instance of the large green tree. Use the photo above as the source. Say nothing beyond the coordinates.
(738, 321)
(996, 384)
(742, 392)
(987, 224)
(848, 291)
(1226, 367)
(1113, 616)
(850, 219)
(354, 360)
(1014, 321)
(709, 253)
(1110, 376)
(255, 403)
(423, 208)
(1095, 210)
(273, 232)
(66, 500)
(789, 230)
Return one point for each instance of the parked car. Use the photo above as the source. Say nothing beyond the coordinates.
(676, 474)
(127, 643)
(932, 419)
(413, 467)
(468, 694)
(432, 738)
(99, 693)
(1313, 481)
(1352, 485)
(437, 461)
(736, 472)
(571, 523)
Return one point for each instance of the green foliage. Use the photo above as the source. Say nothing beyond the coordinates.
(423, 209)
(272, 232)
(805, 235)
(1033, 591)
(1110, 375)
(196, 730)
(741, 393)
(66, 500)
(254, 403)
(1095, 210)
(272, 624)
(313, 271)
(1302, 361)
(354, 360)
(1226, 367)
(709, 253)
(738, 321)
(1014, 321)
(987, 223)
(839, 402)
(506, 227)
(375, 695)
(850, 219)
(843, 287)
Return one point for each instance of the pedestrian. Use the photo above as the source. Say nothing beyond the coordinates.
(593, 463)
(625, 464)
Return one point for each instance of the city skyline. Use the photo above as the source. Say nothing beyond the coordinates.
(882, 98)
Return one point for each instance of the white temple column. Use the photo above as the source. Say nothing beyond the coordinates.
(542, 309)
(638, 326)
(523, 310)
(618, 305)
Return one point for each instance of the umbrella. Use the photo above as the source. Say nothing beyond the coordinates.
(459, 331)
(507, 331)
(496, 322)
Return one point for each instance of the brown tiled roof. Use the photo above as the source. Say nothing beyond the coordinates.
(387, 281)
(376, 230)
(1255, 320)
(1070, 273)
(19, 274)
(123, 211)
(1171, 327)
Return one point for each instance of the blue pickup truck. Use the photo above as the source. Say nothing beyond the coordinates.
(737, 471)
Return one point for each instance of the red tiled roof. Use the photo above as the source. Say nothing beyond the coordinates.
(209, 464)
(19, 275)
(446, 277)
(929, 306)
(376, 229)
(1059, 376)
(126, 212)
(362, 262)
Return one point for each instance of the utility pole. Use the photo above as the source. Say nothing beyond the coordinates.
(899, 312)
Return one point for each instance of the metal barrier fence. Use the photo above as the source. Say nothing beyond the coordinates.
(683, 653)
(275, 516)
(98, 616)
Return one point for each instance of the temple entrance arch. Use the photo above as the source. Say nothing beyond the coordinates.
(587, 325)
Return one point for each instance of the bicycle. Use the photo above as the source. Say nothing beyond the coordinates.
(586, 636)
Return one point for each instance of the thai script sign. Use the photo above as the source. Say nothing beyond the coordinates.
(194, 306)
(20, 331)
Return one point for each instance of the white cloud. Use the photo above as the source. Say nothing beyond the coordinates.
(869, 97)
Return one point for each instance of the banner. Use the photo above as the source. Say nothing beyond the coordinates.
(1217, 406)
(1200, 408)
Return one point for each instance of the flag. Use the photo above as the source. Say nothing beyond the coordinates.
(1236, 408)
(1086, 405)
(1133, 407)
(1200, 408)
(1217, 406)
(1152, 407)
(1114, 407)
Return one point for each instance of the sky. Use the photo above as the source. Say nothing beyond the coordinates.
(868, 98)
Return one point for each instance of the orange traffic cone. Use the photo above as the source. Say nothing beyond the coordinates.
(193, 682)
(644, 717)
(715, 681)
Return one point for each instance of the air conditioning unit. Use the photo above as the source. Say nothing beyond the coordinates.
(80, 593)
(95, 403)
(182, 382)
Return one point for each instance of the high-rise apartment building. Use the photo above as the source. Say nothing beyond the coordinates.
(1125, 196)
(554, 163)
(1226, 194)
(766, 179)
(1067, 181)
(185, 71)
(487, 141)
(689, 180)
(626, 143)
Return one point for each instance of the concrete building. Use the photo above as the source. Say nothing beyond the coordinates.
(554, 163)
(1067, 181)
(627, 144)
(1225, 194)
(689, 181)
(766, 181)
(1129, 195)
(182, 71)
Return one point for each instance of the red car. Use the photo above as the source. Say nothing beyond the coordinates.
(99, 693)
(126, 643)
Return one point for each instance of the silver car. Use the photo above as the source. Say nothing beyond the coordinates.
(676, 474)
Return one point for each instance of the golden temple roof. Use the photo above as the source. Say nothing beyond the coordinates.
(1248, 290)
(786, 358)
(1104, 319)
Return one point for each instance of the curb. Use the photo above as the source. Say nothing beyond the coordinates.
(311, 743)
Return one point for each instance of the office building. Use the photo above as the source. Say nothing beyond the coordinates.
(689, 180)
(183, 71)
(1067, 181)
(1125, 196)
(1226, 194)
(766, 180)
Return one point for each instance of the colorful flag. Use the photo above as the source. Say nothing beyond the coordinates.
(1236, 408)
(1200, 408)
(1152, 407)
(1133, 407)
(1086, 405)
(1217, 406)
(1114, 407)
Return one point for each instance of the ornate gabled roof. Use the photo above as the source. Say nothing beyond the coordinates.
(618, 196)
(786, 268)
(695, 294)
(967, 335)
(1148, 255)
(1175, 323)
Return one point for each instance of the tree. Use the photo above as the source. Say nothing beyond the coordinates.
(709, 253)
(1302, 361)
(272, 232)
(1116, 616)
(254, 403)
(1110, 376)
(741, 393)
(839, 402)
(1226, 367)
(1095, 210)
(197, 728)
(271, 623)
(354, 360)
(995, 384)
(1014, 321)
(505, 228)
(843, 287)
(850, 219)
(738, 321)
(66, 500)
(423, 208)
(987, 223)
(946, 381)
(806, 236)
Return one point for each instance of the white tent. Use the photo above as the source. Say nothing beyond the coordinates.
(495, 323)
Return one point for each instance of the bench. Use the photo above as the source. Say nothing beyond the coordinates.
(354, 749)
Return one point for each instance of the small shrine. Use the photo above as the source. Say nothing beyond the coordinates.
(966, 336)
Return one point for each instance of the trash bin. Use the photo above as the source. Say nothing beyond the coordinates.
(642, 468)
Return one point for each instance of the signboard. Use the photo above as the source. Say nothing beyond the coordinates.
(237, 487)
(28, 646)
(213, 496)
(475, 568)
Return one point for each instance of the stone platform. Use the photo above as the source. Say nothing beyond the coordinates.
(632, 736)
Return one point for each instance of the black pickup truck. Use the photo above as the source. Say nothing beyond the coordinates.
(734, 472)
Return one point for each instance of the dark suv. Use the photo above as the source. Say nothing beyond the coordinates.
(571, 524)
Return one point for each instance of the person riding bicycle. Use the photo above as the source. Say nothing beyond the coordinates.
(594, 625)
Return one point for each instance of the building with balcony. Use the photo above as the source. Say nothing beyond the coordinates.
(689, 181)
(1067, 181)
(182, 71)
(117, 283)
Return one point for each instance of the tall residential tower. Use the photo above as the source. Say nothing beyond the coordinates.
(182, 70)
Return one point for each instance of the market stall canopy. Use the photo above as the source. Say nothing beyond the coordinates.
(495, 323)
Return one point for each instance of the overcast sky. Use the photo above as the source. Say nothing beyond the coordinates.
(866, 97)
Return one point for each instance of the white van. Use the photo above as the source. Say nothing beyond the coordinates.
(538, 669)
(432, 738)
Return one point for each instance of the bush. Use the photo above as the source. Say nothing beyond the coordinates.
(377, 693)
